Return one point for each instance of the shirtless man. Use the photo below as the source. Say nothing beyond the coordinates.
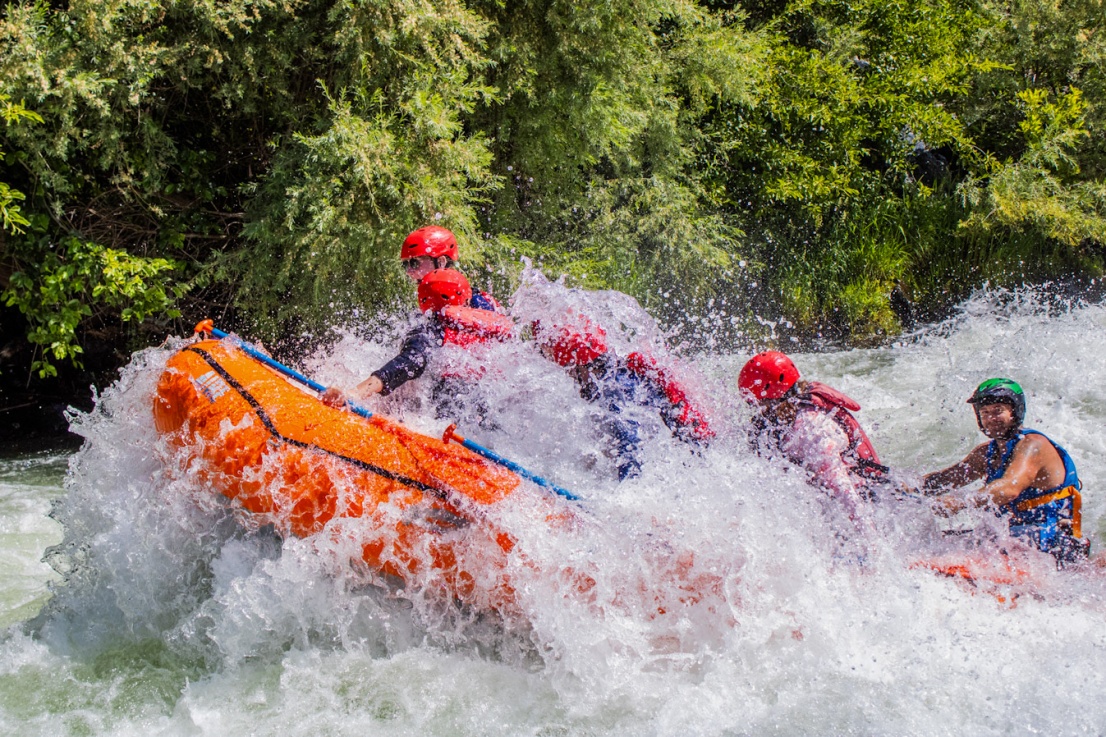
(1025, 475)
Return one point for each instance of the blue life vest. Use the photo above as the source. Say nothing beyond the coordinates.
(1037, 513)
(614, 387)
(484, 301)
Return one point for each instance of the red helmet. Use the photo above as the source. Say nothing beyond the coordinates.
(433, 241)
(572, 345)
(443, 287)
(767, 375)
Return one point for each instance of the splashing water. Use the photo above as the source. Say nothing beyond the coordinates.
(718, 593)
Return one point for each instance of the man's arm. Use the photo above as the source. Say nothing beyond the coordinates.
(973, 467)
(413, 357)
(1026, 465)
(412, 360)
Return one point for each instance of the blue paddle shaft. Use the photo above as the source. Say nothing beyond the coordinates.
(511, 465)
(289, 372)
(359, 410)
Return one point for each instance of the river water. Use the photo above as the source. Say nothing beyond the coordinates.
(134, 603)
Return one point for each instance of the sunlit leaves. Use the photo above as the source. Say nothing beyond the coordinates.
(61, 288)
(11, 216)
(278, 151)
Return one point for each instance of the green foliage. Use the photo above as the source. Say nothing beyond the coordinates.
(596, 136)
(11, 217)
(854, 89)
(386, 153)
(275, 152)
(904, 143)
(1040, 191)
(338, 204)
(66, 283)
(821, 169)
(844, 287)
(56, 278)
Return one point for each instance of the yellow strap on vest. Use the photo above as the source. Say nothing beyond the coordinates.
(1076, 506)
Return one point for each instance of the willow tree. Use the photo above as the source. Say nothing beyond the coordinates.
(269, 152)
(595, 131)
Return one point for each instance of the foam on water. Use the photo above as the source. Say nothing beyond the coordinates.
(718, 593)
(26, 487)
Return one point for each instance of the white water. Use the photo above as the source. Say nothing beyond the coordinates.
(175, 620)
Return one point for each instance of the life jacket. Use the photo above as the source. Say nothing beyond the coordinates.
(485, 301)
(860, 456)
(1050, 516)
(608, 383)
(464, 325)
(689, 422)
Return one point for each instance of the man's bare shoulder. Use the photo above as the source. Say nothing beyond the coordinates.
(1040, 447)
(978, 453)
(1034, 443)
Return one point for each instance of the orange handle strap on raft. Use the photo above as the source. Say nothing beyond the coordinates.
(1077, 515)
(1076, 506)
(204, 327)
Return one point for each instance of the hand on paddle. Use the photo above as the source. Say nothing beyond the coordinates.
(335, 397)
(949, 505)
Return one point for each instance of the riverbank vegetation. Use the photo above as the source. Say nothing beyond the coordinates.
(807, 162)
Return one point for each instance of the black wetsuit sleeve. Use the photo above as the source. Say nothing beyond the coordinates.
(414, 355)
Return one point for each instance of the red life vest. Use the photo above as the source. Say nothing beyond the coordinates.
(860, 456)
(688, 418)
(463, 325)
(466, 326)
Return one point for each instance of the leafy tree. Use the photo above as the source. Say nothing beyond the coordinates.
(386, 151)
(797, 159)
(905, 143)
(1041, 189)
(61, 285)
(11, 217)
(1043, 122)
(596, 133)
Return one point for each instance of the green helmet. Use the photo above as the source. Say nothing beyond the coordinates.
(1000, 391)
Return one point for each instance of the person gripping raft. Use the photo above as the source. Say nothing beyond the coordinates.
(426, 249)
(445, 299)
(812, 425)
(616, 384)
(1027, 477)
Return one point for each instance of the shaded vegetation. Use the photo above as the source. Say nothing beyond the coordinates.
(259, 161)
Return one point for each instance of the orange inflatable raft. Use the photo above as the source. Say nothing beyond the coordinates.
(1003, 576)
(413, 503)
